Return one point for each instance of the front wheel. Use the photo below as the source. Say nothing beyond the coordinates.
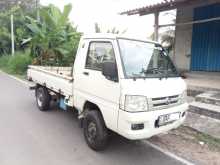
(95, 131)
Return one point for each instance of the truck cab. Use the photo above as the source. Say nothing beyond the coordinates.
(129, 86)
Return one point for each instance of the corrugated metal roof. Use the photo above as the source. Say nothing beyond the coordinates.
(161, 5)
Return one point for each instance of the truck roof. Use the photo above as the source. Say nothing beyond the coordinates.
(115, 36)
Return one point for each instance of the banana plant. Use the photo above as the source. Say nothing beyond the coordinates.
(54, 40)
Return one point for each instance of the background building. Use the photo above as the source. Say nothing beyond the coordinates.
(197, 35)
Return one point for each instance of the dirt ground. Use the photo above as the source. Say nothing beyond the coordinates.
(191, 145)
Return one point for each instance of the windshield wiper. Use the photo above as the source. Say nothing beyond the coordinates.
(154, 71)
(162, 73)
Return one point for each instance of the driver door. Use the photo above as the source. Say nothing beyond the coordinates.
(98, 89)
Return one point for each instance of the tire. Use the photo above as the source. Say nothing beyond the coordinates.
(43, 99)
(95, 131)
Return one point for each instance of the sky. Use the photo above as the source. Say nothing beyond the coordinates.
(105, 12)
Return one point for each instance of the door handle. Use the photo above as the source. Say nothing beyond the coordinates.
(86, 73)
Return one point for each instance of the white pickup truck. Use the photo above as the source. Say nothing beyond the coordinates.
(125, 85)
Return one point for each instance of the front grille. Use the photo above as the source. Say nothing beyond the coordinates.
(164, 102)
(161, 104)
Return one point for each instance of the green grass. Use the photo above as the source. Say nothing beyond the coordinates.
(17, 64)
(211, 141)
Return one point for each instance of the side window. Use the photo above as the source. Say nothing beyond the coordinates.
(98, 53)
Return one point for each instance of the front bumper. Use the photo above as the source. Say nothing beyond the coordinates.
(126, 119)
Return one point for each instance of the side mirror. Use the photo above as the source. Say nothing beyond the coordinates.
(109, 70)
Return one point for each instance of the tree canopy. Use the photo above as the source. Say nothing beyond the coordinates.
(53, 39)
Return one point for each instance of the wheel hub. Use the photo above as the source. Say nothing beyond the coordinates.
(39, 99)
(91, 131)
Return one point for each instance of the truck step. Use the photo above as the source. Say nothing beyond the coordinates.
(205, 109)
(209, 98)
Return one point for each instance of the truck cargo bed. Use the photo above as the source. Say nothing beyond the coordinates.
(58, 79)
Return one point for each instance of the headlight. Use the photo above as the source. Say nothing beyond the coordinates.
(184, 97)
(135, 103)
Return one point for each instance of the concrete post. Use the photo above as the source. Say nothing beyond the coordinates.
(156, 37)
(156, 26)
(38, 12)
(12, 36)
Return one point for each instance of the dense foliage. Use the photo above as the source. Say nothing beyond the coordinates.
(52, 40)
(168, 39)
(20, 30)
(16, 64)
(25, 4)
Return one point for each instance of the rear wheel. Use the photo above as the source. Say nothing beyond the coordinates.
(43, 98)
(95, 131)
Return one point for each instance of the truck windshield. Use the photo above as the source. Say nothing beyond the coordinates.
(145, 60)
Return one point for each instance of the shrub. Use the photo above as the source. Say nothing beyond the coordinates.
(4, 62)
(16, 64)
